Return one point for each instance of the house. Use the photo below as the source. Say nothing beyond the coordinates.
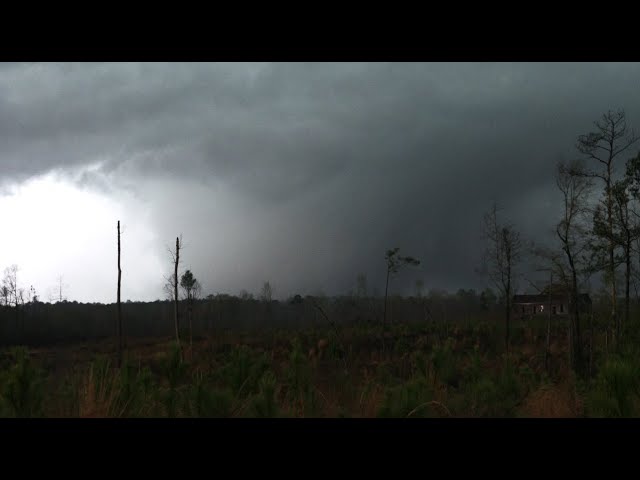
(557, 304)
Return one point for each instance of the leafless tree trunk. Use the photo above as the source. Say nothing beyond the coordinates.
(631, 228)
(191, 326)
(627, 233)
(192, 296)
(386, 291)
(549, 256)
(604, 145)
(504, 251)
(119, 304)
(12, 292)
(627, 279)
(590, 344)
(175, 291)
(575, 188)
(192, 289)
(20, 312)
(10, 283)
(548, 343)
(394, 263)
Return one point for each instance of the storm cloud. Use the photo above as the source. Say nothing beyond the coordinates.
(300, 174)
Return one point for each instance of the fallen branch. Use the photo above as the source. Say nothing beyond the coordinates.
(432, 402)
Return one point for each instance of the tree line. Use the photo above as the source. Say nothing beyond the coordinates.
(597, 232)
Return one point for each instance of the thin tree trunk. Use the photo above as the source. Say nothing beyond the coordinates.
(22, 324)
(548, 345)
(191, 326)
(508, 303)
(575, 315)
(386, 290)
(612, 270)
(571, 342)
(590, 344)
(119, 304)
(384, 320)
(627, 282)
(175, 291)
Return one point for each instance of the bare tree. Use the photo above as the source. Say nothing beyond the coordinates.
(10, 286)
(504, 252)
(244, 295)
(173, 286)
(14, 296)
(4, 292)
(33, 296)
(546, 255)
(607, 142)
(627, 231)
(266, 292)
(631, 231)
(20, 301)
(572, 233)
(394, 263)
(119, 304)
(168, 287)
(61, 287)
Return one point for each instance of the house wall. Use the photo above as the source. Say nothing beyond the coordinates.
(535, 309)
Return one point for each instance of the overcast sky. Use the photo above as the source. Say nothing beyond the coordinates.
(300, 174)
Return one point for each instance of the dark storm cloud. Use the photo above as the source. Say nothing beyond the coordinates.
(306, 173)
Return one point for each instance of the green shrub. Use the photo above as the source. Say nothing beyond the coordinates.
(444, 363)
(22, 387)
(173, 368)
(421, 363)
(300, 389)
(408, 398)
(484, 398)
(207, 402)
(242, 373)
(616, 389)
(264, 404)
(401, 347)
(299, 374)
(136, 391)
(474, 371)
(509, 387)
(384, 375)
(66, 401)
(487, 336)
(493, 396)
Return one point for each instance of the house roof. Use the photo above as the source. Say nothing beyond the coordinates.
(519, 299)
(538, 298)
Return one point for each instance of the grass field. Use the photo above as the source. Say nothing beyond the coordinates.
(428, 370)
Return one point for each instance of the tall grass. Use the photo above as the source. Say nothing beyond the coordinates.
(427, 371)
